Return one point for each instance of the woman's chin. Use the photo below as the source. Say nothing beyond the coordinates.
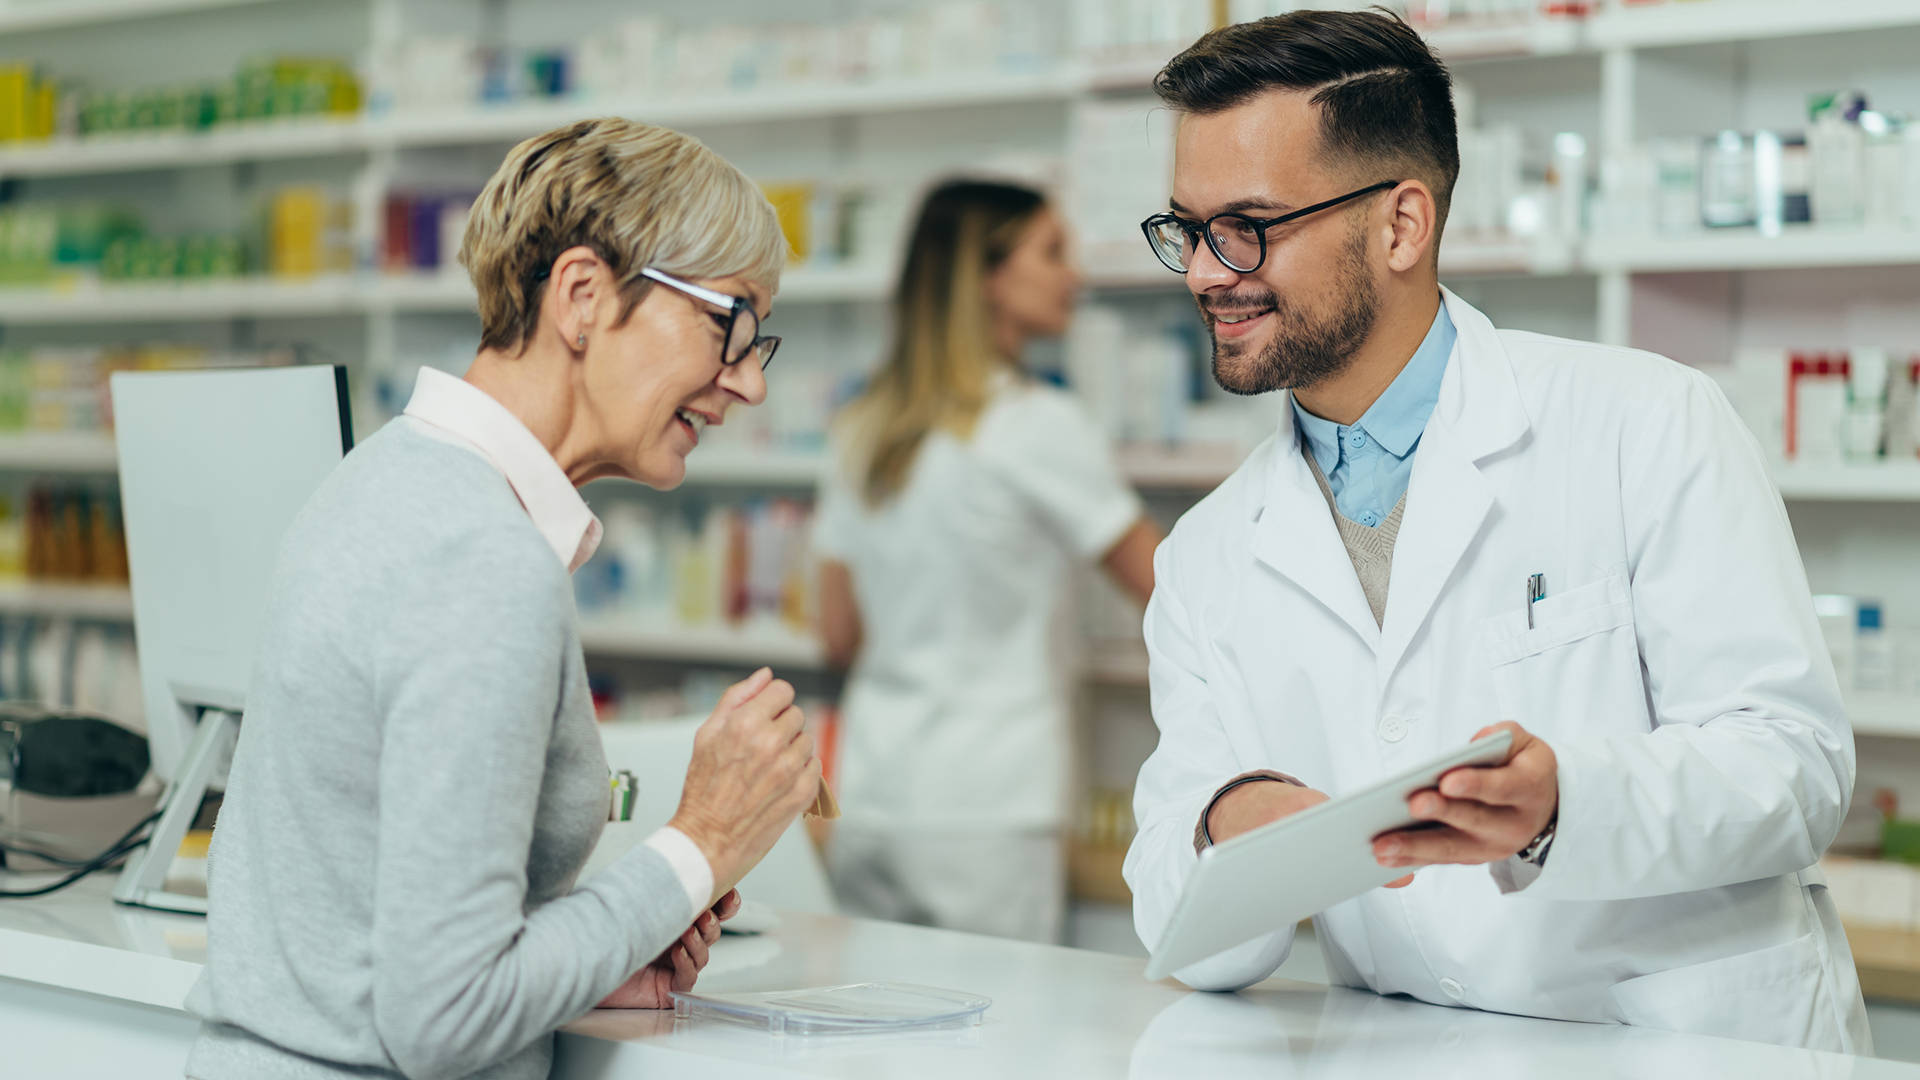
(662, 470)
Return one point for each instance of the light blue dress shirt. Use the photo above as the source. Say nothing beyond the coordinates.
(1369, 463)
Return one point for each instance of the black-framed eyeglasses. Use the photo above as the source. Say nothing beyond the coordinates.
(736, 319)
(1237, 240)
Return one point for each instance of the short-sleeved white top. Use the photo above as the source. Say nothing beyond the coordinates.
(957, 710)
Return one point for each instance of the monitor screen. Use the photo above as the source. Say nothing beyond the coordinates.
(214, 466)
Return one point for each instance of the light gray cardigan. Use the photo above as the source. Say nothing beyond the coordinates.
(418, 782)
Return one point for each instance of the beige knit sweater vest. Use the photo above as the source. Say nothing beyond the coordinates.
(1371, 550)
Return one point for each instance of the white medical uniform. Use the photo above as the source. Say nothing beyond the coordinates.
(1675, 668)
(954, 763)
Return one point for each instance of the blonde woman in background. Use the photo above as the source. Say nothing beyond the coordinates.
(962, 496)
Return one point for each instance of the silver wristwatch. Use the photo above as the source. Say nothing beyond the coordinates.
(1536, 851)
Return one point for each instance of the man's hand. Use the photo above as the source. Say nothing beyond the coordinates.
(1263, 802)
(1480, 814)
(676, 969)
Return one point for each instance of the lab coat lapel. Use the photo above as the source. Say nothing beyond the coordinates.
(1295, 536)
(1449, 500)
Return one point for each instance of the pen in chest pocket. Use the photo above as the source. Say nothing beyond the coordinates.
(1536, 591)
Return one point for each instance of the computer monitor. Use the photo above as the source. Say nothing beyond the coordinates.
(214, 465)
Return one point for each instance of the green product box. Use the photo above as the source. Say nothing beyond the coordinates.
(1900, 840)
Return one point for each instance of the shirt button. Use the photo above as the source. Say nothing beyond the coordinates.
(1369, 519)
(1393, 728)
(1357, 439)
(1453, 988)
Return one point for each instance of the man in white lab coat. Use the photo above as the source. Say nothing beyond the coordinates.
(1361, 594)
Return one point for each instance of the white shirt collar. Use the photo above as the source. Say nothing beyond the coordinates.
(465, 415)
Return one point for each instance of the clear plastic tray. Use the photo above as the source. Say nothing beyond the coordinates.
(854, 1007)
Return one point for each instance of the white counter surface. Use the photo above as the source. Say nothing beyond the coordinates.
(1056, 1012)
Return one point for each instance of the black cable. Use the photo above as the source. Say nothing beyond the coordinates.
(61, 861)
(119, 850)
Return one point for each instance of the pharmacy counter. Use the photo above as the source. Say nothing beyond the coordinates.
(90, 990)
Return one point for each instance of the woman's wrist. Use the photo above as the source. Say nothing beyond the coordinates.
(711, 841)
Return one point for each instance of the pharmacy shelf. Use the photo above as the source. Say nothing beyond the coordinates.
(58, 451)
(729, 466)
(1886, 715)
(109, 602)
(182, 301)
(340, 295)
(1796, 248)
(1848, 483)
(1499, 39)
(1178, 468)
(1705, 22)
(506, 123)
(21, 16)
(630, 637)
(261, 140)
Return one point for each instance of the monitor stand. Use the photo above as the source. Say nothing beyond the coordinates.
(143, 880)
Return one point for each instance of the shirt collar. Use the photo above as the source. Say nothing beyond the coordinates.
(452, 406)
(1398, 416)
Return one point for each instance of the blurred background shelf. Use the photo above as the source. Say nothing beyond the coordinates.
(107, 602)
(740, 467)
(21, 16)
(264, 140)
(514, 122)
(1679, 24)
(185, 301)
(58, 451)
(1796, 247)
(615, 635)
(1849, 483)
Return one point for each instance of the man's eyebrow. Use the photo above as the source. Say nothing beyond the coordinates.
(1236, 206)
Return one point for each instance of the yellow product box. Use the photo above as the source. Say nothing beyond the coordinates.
(791, 203)
(296, 232)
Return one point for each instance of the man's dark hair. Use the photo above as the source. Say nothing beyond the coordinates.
(1386, 102)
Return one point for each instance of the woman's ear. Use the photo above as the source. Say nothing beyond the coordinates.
(579, 281)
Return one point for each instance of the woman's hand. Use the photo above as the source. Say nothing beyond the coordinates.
(676, 969)
(753, 771)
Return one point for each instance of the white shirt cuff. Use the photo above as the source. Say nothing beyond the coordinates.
(689, 865)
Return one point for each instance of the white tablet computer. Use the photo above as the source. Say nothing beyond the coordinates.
(1278, 874)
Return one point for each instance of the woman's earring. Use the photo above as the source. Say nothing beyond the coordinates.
(581, 341)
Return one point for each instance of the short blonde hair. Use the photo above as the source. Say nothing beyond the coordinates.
(637, 194)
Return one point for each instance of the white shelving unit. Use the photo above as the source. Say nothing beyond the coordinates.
(1885, 715)
(1679, 24)
(625, 636)
(1797, 248)
(1849, 483)
(58, 452)
(106, 602)
(341, 296)
(23, 16)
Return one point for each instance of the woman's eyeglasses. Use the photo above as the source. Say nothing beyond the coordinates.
(1237, 240)
(736, 319)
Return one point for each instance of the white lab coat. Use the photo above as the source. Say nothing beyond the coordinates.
(1675, 667)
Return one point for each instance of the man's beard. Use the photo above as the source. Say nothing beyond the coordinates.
(1302, 351)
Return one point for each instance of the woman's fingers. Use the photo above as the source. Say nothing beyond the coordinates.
(741, 692)
(729, 905)
(685, 971)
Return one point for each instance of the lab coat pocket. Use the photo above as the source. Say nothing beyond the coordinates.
(1580, 657)
(1770, 995)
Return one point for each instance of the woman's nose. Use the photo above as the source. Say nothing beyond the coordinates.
(745, 380)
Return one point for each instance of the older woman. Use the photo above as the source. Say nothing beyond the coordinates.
(420, 779)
